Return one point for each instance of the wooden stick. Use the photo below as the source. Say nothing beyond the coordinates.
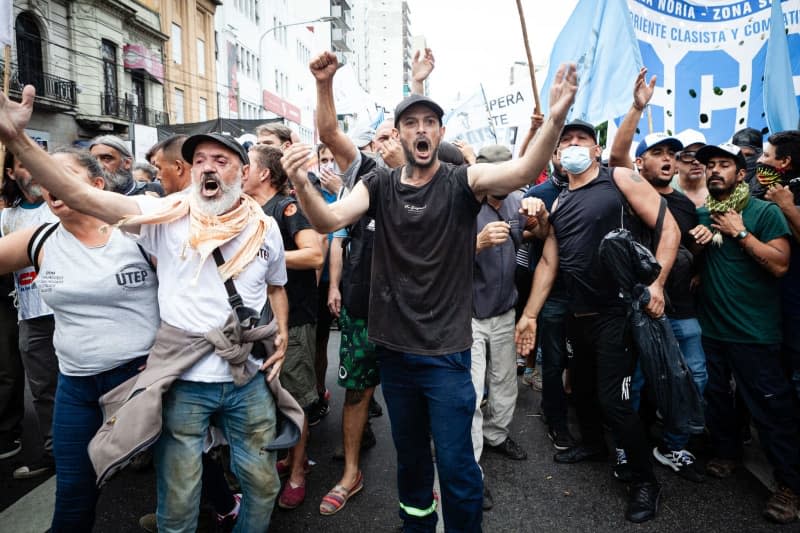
(537, 109)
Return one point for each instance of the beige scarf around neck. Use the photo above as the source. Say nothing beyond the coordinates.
(207, 232)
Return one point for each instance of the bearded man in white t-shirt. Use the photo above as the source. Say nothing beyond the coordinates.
(182, 233)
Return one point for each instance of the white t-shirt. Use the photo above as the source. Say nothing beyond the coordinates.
(29, 302)
(202, 306)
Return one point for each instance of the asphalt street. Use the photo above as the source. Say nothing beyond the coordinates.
(529, 496)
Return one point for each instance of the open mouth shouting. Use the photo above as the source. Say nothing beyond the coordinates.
(666, 170)
(210, 185)
(422, 147)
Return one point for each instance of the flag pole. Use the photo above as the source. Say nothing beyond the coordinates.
(537, 109)
(649, 119)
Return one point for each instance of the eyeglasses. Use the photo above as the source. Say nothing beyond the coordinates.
(687, 157)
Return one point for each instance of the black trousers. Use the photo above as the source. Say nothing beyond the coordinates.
(763, 386)
(12, 375)
(602, 365)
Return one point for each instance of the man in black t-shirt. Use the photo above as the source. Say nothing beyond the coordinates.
(267, 183)
(656, 160)
(420, 298)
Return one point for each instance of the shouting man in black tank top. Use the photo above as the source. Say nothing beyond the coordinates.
(603, 353)
(421, 294)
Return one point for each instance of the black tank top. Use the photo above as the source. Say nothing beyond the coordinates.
(581, 220)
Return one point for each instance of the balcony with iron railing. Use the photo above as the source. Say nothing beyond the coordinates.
(51, 90)
(126, 109)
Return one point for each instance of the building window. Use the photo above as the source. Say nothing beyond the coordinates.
(203, 110)
(29, 52)
(179, 116)
(109, 54)
(177, 44)
(201, 57)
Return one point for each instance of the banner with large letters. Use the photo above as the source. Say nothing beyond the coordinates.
(709, 58)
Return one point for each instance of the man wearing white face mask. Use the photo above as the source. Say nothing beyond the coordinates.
(593, 204)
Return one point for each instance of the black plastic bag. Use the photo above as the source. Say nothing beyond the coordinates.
(634, 267)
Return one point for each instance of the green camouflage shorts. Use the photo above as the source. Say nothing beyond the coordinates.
(358, 363)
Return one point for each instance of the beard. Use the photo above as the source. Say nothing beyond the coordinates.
(223, 202)
(660, 182)
(119, 181)
(30, 190)
(412, 162)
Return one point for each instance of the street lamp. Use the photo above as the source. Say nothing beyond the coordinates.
(270, 30)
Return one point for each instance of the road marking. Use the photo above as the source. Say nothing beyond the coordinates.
(32, 513)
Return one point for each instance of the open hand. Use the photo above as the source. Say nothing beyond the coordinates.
(643, 91)
(562, 91)
(274, 363)
(14, 116)
(421, 68)
(295, 161)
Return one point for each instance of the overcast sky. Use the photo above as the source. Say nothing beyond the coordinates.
(477, 41)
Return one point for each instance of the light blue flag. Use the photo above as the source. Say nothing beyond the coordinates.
(599, 38)
(780, 104)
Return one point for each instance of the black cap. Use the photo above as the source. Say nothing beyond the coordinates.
(413, 100)
(727, 150)
(187, 151)
(450, 154)
(582, 125)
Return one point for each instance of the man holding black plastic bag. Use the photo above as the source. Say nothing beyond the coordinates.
(597, 201)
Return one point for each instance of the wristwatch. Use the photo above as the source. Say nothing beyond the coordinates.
(742, 234)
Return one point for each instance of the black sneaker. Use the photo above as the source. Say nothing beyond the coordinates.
(622, 470)
(643, 501)
(40, 467)
(509, 448)
(562, 438)
(318, 410)
(681, 462)
(9, 448)
(375, 409)
(580, 453)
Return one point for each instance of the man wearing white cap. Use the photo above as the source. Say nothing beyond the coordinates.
(690, 176)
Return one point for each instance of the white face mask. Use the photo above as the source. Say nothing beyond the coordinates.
(575, 159)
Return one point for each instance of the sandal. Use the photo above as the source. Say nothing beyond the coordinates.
(337, 497)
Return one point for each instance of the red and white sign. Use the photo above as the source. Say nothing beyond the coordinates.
(139, 57)
(281, 107)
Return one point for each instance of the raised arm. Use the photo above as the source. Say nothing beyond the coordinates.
(323, 216)
(421, 68)
(642, 93)
(60, 181)
(646, 202)
(537, 119)
(502, 178)
(323, 67)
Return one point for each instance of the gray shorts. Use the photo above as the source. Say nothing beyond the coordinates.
(297, 374)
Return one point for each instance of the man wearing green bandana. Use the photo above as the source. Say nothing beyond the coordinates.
(740, 316)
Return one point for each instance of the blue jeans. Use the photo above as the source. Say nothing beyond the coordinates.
(433, 396)
(246, 415)
(76, 418)
(690, 340)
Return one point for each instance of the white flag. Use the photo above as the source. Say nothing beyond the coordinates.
(6, 18)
